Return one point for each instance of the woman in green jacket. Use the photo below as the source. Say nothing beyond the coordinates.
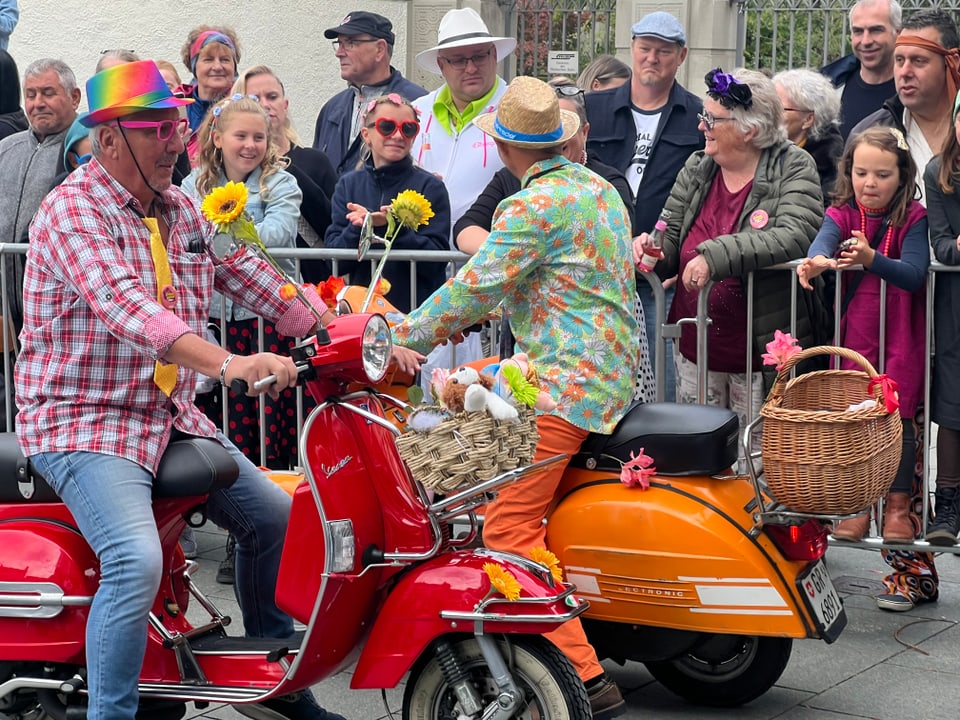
(750, 199)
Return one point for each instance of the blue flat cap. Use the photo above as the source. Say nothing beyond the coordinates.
(660, 25)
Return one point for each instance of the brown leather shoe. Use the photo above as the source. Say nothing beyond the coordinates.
(854, 529)
(897, 526)
(606, 700)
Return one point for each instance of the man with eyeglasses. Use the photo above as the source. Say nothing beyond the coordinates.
(31, 160)
(363, 44)
(647, 128)
(117, 291)
(449, 144)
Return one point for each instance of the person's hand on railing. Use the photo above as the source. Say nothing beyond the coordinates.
(811, 267)
(696, 274)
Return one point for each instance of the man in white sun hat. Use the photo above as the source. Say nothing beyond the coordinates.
(558, 262)
(466, 55)
(449, 144)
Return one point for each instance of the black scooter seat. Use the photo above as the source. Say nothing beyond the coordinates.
(190, 466)
(682, 440)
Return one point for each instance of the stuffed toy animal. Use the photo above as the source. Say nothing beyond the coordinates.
(466, 390)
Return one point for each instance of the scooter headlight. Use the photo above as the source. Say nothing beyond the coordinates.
(376, 347)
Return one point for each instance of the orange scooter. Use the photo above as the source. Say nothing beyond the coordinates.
(693, 577)
(696, 576)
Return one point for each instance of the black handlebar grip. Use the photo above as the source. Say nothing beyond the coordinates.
(239, 386)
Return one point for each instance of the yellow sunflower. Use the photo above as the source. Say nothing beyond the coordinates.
(225, 204)
(503, 580)
(411, 209)
(549, 560)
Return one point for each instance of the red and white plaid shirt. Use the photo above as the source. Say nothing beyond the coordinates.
(93, 328)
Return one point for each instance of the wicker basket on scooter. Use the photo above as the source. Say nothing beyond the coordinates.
(818, 456)
(468, 448)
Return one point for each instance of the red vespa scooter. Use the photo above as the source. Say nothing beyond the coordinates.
(368, 567)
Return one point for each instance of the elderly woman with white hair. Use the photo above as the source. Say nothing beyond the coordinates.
(811, 117)
(750, 199)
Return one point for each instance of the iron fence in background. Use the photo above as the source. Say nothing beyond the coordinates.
(780, 35)
(584, 27)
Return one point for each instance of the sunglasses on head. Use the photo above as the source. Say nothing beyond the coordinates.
(387, 127)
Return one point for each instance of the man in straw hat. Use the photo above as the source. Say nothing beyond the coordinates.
(117, 291)
(558, 259)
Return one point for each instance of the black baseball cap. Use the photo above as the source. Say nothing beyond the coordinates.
(360, 23)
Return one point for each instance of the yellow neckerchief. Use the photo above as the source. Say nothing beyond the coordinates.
(451, 119)
(164, 374)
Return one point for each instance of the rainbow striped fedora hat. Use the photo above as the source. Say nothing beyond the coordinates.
(126, 89)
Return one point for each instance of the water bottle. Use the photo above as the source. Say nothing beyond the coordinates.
(650, 257)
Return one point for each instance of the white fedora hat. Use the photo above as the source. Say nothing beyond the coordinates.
(529, 115)
(460, 28)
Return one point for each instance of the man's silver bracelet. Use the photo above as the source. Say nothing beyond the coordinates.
(223, 368)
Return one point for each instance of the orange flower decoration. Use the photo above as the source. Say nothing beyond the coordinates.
(328, 290)
(287, 292)
(548, 560)
(502, 580)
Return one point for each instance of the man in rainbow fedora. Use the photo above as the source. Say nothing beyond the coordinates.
(558, 261)
(117, 290)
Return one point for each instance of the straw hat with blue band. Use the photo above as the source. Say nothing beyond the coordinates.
(126, 89)
(529, 116)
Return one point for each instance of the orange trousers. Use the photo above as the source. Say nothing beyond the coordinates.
(514, 523)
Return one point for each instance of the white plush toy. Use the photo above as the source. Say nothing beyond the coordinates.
(473, 389)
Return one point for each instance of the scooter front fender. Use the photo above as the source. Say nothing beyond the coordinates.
(451, 593)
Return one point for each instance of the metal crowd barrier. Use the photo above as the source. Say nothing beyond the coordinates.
(13, 253)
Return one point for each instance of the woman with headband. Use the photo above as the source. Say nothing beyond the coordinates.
(211, 54)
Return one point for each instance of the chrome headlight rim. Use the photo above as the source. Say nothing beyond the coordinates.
(376, 347)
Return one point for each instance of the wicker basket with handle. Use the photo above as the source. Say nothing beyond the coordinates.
(469, 448)
(819, 457)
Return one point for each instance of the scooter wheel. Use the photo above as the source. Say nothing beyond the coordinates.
(725, 670)
(551, 688)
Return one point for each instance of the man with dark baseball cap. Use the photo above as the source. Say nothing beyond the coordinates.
(363, 23)
(363, 44)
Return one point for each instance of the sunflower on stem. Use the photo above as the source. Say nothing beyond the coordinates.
(409, 209)
(224, 207)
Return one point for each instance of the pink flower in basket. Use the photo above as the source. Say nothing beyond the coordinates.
(637, 471)
(783, 347)
(437, 380)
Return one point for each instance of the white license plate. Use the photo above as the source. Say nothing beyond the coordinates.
(822, 599)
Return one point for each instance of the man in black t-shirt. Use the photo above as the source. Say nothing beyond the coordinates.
(865, 79)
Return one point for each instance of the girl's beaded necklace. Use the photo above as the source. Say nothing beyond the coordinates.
(888, 238)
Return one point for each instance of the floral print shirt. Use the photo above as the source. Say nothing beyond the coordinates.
(559, 259)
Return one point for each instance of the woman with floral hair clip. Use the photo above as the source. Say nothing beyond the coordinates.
(750, 199)
(389, 127)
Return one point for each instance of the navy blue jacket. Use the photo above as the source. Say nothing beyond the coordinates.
(332, 132)
(374, 187)
(613, 135)
(840, 70)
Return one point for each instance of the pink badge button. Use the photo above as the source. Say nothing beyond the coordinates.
(759, 219)
(168, 297)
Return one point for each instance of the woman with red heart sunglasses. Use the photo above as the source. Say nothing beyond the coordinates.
(389, 126)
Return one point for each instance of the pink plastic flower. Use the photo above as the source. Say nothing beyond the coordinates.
(637, 471)
(438, 379)
(783, 347)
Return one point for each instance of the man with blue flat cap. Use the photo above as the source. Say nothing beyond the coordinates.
(117, 290)
(647, 128)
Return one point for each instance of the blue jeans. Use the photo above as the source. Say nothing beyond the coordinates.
(650, 317)
(110, 498)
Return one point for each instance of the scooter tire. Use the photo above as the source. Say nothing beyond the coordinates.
(725, 671)
(551, 687)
